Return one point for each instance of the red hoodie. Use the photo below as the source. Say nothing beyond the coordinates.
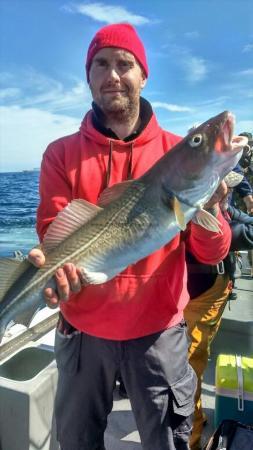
(148, 296)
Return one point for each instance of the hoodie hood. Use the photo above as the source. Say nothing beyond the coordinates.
(121, 159)
(150, 132)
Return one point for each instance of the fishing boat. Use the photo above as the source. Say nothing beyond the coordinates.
(28, 370)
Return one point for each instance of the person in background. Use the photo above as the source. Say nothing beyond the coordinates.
(133, 324)
(241, 197)
(209, 288)
(244, 190)
(247, 165)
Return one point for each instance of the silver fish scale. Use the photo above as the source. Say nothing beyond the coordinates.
(109, 237)
(91, 245)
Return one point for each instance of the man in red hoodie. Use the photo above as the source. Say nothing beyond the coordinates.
(133, 324)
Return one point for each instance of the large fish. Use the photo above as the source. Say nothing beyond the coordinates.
(133, 219)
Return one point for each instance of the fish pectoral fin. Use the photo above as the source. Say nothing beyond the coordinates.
(88, 277)
(68, 220)
(10, 271)
(175, 205)
(113, 192)
(206, 220)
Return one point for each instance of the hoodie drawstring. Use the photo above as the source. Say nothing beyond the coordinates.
(109, 167)
(130, 162)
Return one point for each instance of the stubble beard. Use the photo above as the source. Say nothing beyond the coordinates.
(122, 110)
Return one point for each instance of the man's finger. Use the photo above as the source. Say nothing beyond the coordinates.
(36, 257)
(63, 287)
(73, 277)
(51, 298)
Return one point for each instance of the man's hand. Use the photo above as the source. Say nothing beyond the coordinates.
(212, 205)
(248, 200)
(67, 279)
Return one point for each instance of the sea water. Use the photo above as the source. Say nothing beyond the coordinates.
(19, 199)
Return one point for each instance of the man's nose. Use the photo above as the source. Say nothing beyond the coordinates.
(113, 74)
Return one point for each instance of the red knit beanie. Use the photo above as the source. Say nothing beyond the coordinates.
(120, 35)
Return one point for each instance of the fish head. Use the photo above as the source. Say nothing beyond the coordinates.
(202, 159)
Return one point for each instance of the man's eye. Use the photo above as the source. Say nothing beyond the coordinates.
(101, 63)
(124, 64)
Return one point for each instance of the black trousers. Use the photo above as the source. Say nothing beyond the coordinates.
(159, 381)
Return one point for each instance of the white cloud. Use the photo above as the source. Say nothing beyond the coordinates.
(243, 91)
(26, 132)
(171, 107)
(9, 93)
(214, 103)
(61, 99)
(29, 88)
(195, 68)
(247, 72)
(192, 34)
(241, 83)
(106, 13)
(36, 110)
(248, 48)
(6, 77)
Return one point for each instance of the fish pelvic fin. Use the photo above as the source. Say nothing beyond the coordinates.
(67, 221)
(88, 277)
(206, 220)
(113, 192)
(175, 205)
(10, 271)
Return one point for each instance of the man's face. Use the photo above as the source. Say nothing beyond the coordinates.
(116, 80)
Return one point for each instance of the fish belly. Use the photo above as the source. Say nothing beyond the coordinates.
(116, 251)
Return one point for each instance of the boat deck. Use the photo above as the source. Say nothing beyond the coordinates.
(234, 336)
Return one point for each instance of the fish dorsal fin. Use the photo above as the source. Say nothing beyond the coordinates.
(113, 192)
(176, 207)
(10, 271)
(68, 220)
(206, 220)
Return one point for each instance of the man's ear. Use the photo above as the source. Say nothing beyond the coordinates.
(143, 81)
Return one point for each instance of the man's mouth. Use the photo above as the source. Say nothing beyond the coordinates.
(113, 91)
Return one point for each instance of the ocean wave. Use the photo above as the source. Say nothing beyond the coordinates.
(18, 222)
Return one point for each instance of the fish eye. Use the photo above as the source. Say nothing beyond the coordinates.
(195, 140)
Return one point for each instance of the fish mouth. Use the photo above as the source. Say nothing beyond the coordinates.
(223, 142)
(228, 129)
(226, 141)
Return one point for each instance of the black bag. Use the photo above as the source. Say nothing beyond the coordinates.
(233, 265)
(231, 435)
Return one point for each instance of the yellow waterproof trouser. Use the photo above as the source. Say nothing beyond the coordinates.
(203, 317)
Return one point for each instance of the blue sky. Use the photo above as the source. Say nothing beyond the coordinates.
(200, 55)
